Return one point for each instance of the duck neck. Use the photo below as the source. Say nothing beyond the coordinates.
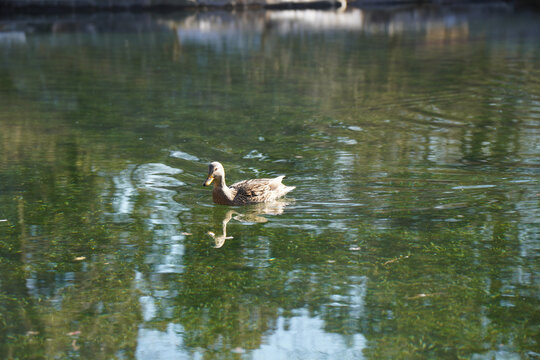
(219, 182)
(222, 188)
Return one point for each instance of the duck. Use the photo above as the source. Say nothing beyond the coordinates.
(244, 192)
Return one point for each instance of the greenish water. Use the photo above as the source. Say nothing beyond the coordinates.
(412, 137)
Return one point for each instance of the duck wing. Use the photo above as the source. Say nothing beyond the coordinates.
(257, 190)
(253, 187)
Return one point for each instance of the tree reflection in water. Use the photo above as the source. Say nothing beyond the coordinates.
(411, 136)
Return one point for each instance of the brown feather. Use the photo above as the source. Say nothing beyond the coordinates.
(247, 191)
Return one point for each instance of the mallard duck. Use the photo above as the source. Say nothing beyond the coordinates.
(244, 192)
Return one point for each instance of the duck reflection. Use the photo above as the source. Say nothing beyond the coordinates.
(246, 214)
(225, 218)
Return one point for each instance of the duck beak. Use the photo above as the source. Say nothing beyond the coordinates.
(208, 181)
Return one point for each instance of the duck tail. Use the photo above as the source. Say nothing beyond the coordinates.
(287, 189)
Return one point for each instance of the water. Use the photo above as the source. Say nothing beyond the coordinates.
(410, 134)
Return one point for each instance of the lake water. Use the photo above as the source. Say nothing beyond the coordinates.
(412, 137)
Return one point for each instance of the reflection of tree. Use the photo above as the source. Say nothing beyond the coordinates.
(99, 314)
(60, 293)
(19, 321)
(338, 102)
(450, 297)
(390, 85)
(231, 297)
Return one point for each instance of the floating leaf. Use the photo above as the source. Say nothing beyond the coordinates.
(419, 296)
(396, 259)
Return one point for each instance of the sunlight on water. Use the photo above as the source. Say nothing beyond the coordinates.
(411, 136)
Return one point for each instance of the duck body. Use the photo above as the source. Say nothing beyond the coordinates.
(244, 192)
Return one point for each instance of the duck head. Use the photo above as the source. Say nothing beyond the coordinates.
(215, 171)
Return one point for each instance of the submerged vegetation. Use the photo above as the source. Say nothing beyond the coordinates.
(413, 232)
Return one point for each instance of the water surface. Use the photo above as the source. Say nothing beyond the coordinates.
(412, 136)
